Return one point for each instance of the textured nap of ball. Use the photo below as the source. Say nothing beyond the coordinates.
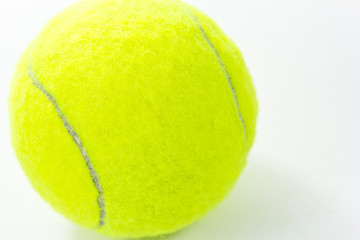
(132, 117)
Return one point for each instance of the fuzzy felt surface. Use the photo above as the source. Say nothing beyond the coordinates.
(132, 117)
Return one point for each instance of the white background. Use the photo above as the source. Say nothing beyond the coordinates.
(303, 176)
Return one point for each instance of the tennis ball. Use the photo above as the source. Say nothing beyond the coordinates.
(133, 118)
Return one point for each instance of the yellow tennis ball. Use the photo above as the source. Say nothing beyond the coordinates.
(133, 118)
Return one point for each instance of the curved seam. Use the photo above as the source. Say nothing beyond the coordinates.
(79, 144)
(223, 68)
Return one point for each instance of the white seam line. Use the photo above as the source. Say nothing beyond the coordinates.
(222, 65)
(76, 138)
